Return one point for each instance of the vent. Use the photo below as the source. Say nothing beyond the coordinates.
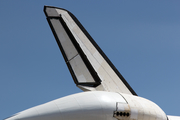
(121, 114)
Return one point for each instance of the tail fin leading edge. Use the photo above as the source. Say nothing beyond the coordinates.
(88, 65)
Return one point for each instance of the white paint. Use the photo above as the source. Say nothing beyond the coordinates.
(134, 113)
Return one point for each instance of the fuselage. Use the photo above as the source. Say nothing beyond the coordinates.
(95, 105)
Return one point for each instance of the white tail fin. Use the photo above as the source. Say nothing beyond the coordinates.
(89, 66)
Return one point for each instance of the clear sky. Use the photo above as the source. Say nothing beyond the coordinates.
(141, 38)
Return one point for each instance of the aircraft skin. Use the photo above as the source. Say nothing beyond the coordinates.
(107, 94)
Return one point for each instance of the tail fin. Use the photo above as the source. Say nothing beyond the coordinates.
(88, 65)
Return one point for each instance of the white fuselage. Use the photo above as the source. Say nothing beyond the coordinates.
(95, 105)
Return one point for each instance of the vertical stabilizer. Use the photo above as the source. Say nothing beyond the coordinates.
(89, 66)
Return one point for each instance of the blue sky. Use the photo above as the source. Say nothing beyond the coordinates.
(141, 38)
